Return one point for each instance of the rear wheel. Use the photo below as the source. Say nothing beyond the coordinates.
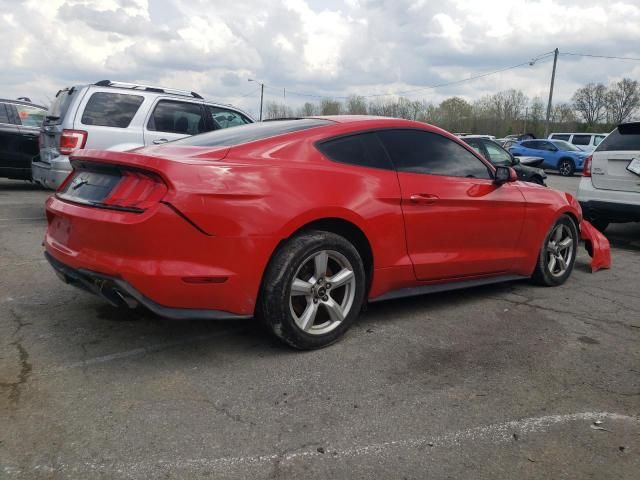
(558, 253)
(313, 290)
(566, 167)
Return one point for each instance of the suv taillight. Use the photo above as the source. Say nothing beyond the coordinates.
(586, 169)
(136, 191)
(72, 140)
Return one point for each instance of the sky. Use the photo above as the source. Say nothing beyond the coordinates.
(303, 50)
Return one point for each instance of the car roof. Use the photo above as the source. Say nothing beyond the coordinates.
(21, 102)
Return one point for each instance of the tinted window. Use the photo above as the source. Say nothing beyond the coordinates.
(251, 132)
(30, 116)
(561, 137)
(425, 152)
(364, 150)
(623, 138)
(4, 115)
(60, 105)
(580, 139)
(223, 118)
(177, 117)
(111, 109)
(562, 145)
(534, 145)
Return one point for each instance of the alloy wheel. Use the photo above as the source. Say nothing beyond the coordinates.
(565, 168)
(322, 292)
(559, 250)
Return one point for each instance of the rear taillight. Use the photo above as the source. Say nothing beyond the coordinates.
(72, 140)
(586, 169)
(136, 191)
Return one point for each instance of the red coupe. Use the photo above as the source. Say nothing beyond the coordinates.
(301, 222)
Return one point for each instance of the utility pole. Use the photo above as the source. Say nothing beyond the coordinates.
(553, 78)
(261, 94)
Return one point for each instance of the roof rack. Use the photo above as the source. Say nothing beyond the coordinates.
(148, 88)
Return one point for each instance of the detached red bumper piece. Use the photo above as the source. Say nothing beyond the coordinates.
(597, 245)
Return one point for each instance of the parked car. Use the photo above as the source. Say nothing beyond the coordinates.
(19, 130)
(499, 156)
(557, 154)
(609, 191)
(587, 142)
(301, 222)
(122, 116)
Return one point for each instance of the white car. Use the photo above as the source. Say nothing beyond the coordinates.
(122, 116)
(587, 142)
(609, 190)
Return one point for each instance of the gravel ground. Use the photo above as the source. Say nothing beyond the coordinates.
(506, 381)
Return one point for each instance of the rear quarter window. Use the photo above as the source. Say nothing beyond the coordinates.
(108, 109)
(363, 150)
(623, 139)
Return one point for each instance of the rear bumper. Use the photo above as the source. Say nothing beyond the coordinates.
(612, 205)
(51, 175)
(159, 259)
(121, 294)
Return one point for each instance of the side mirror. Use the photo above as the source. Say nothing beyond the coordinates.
(505, 175)
(515, 160)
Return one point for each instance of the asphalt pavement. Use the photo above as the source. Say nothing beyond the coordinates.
(498, 382)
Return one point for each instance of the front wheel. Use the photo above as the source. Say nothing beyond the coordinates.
(313, 290)
(566, 167)
(558, 253)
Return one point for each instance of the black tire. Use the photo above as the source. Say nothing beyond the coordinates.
(542, 274)
(600, 223)
(566, 167)
(274, 302)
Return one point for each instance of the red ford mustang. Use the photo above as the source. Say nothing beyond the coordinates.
(301, 222)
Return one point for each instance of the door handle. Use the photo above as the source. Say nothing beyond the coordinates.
(160, 141)
(423, 199)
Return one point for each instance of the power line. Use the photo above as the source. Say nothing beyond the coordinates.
(600, 56)
(431, 87)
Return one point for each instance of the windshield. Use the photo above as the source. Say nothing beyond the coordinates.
(251, 132)
(562, 145)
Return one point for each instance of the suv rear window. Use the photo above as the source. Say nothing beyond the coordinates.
(624, 138)
(581, 139)
(59, 106)
(111, 109)
(251, 132)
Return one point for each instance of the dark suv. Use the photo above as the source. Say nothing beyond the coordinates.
(19, 131)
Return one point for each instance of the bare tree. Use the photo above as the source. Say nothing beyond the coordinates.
(277, 110)
(330, 107)
(356, 105)
(590, 102)
(623, 100)
(307, 110)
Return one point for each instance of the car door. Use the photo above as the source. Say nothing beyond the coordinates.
(13, 163)
(458, 222)
(171, 119)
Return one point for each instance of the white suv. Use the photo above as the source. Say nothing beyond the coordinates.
(121, 116)
(609, 190)
(587, 142)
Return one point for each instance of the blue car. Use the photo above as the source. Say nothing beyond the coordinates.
(558, 154)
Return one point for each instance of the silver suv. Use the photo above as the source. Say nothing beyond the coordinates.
(121, 116)
(609, 190)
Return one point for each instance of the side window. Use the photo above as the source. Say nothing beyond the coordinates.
(550, 147)
(561, 137)
(532, 145)
(581, 139)
(108, 109)
(497, 155)
(223, 118)
(364, 150)
(597, 139)
(4, 115)
(177, 117)
(418, 151)
(30, 116)
(475, 145)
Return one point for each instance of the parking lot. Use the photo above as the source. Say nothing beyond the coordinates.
(503, 381)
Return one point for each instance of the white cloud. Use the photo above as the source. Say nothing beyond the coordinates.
(323, 47)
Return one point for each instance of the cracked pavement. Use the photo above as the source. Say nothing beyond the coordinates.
(504, 381)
